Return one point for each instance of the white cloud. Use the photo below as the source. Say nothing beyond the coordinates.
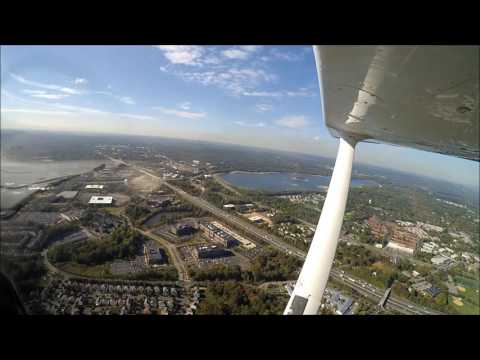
(34, 92)
(80, 81)
(182, 54)
(34, 111)
(42, 94)
(288, 56)
(316, 138)
(302, 92)
(264, 107)
(134, 116)
(243, 123)
(263, 93)
(181, 113)
(236, 54)
(126, 100)
(250, 48)
(293, 121)
(235, 80)
(63, 109)
(66, 90)
(185, 105)
(50, 96)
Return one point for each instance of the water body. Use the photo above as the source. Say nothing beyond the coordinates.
(284, 181)
(13, 173)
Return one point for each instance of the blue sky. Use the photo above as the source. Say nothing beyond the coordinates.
(263, 96)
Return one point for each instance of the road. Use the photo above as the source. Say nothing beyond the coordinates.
(375, 294)
(395, 303)
(171, 249)
(173, 252)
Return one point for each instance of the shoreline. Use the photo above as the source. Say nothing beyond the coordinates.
(16, 206)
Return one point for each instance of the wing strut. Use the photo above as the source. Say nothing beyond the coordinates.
(307, 295)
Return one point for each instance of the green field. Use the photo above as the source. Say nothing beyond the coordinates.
(467, 282)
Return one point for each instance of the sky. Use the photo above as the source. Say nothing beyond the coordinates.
(263, 96)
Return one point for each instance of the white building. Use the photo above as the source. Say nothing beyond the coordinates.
(430, 227)
(94, 186)
(101, 200)
(396, 246)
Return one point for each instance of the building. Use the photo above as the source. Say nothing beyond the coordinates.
(403, 241)
(430, 227)
(67, 195)
(94, 186)
(378, 229)
(184, 230)
(153, 254)
(156, 201)
(101, 200)
(245, 242)
(218, 235)
(439, 259)
(342, 309)
(210, 252)
(429, 247)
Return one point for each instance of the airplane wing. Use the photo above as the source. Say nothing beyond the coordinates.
(424, 97)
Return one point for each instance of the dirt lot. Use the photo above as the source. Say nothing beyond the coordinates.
(120, 199)
(144, 183)
(259, 214)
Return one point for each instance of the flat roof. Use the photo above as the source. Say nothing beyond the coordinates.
(101, 200)
(67, 194)
(94, 186)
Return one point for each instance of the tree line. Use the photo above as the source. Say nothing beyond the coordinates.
(122, 243)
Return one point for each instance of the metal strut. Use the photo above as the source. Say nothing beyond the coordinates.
(307, 295)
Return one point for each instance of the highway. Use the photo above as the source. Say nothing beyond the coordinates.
(229, 218)
(373, 293)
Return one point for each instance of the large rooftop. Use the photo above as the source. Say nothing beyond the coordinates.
(100, 200)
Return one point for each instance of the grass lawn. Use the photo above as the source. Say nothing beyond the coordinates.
(364, 274)
(467, 282)
(468, 307)
(117, 211)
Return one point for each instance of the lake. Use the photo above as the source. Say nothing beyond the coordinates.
(284, 181)
(15, 173)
